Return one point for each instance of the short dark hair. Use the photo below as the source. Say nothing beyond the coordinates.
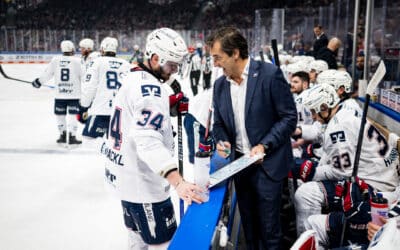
(302, 75)
(230, 39)
(318, 26)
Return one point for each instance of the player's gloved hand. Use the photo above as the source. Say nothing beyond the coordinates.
(188, 192)
(310, 150)
(356, 205)
(179, 104)
(339, 193)
(82, 116)
(305, 171)
(36, 83)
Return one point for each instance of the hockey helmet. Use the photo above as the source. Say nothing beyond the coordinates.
(67, 46)
(167, 44)
(318, 66)
(336, 78)
(318, 95)
(86, 43)
(109, 44)
(298, 66)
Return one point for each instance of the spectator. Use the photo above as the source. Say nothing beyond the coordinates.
(321, 40)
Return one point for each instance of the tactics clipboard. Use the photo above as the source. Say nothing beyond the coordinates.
(232, 168)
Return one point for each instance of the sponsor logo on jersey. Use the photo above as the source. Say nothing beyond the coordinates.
(153, 90)
(64, 91)
(114, 64)
(113, 156)
(338, 136)
(64, 63)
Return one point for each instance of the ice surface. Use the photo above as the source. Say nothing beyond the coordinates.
(51, 197)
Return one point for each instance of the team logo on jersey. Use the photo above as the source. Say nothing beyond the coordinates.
(338, 136)
(153, 90)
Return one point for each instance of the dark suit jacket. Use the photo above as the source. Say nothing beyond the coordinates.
(328, 56)
(320, 43)
(270, 115)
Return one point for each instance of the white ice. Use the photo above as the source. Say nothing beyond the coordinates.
(51, 197)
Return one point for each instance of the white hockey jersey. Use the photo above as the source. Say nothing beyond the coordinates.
(67, 74)
(140, 145)
(88, 60)
(378, 159)
(351, 103)
(102, 81)
(304, 117)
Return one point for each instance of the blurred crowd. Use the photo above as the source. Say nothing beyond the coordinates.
(141, 14)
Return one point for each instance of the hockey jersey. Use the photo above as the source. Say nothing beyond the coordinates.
(67, 73)
(378, 159)
(140, 144)
(102, 81)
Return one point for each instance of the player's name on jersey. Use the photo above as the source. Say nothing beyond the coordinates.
(113, 156)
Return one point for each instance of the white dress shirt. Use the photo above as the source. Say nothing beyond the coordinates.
(238, 98)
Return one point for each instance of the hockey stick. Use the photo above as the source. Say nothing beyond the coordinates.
(19, 80)
(274, 45)
(375, 80)
(176, 87)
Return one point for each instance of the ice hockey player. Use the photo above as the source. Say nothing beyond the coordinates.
(299, 82)
(378, 158)
(341, 81)
(102, 81)
(67, 73)
(137, 56)
(139, 149)
(86, 46)
(316, 67)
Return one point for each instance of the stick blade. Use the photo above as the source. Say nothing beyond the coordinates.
(376, 78)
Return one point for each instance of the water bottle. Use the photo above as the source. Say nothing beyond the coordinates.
(202, 173)
(379, 207)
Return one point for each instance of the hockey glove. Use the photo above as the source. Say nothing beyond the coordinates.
(305, 171)
(339, 193)
(356, 205)
(36, 83)
(311, 150)
(178, 104)
(82, 116)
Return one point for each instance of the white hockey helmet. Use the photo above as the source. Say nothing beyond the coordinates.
(109, 44)
(318, 66)
(298, 66)
(86, 43)
(67, 46)
(318, 95)
(167, 44)
(135, 47)
(336, 78)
